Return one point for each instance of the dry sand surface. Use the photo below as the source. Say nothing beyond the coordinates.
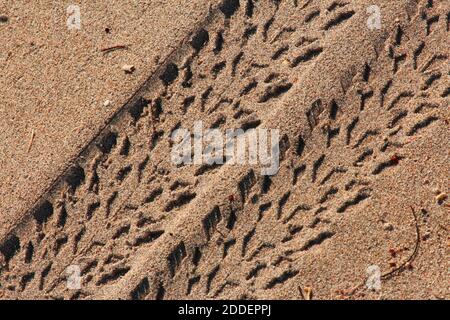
(89, 192)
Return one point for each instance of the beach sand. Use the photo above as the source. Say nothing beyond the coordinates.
(88, 186)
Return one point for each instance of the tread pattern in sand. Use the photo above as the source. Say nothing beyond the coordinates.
(115, 207)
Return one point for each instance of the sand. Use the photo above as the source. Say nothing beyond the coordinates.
(88, 188)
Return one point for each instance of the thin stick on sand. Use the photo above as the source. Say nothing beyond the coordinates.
(31, 140)
(114, 48)
(404, 265)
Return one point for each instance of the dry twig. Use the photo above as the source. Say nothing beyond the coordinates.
(114, 48)
(31, 141)
(402, 267)
(412, 256)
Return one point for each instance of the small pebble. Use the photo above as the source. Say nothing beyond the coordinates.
(436, 191)
(107, 103)
(3, 19)
(128, 68)
(441, 197)
(307, 293)
(393, 252)
(408, 266)
(388, 227)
